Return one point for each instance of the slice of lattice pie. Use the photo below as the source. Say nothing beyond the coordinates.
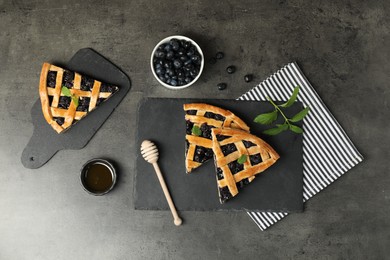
(200, 119)
(238, 157)
(66, 96)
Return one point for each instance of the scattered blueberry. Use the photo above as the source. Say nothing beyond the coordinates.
(231, 69)
(219, 55)
(221, 86)
(248, 78)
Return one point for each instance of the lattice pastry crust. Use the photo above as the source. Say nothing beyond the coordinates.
(61, 111)
(228, 146)
(206, 117)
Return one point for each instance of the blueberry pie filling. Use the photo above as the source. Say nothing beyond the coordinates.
(62, 109)
(201, 119)
(238, 157)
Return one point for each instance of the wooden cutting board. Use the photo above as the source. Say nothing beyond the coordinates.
(45, 142)
(161, 120)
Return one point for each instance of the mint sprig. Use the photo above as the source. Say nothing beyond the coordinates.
(196, 130)
(67, 93)
(270, 117)
(242, 159)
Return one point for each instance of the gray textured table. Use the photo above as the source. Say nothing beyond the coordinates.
(341, 47)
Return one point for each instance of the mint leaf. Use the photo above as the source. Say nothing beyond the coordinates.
(75, 100)
(276, 130)
(267, 118)
(196, 130)
(283, 126)
(66, 92)
(292, 98)
(299, 116)
(242, 159)
(296, 129)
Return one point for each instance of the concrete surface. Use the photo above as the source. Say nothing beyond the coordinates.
(342, 47)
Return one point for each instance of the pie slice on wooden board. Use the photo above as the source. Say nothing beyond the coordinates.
(200, 120)
(238, 157)
(67, 96)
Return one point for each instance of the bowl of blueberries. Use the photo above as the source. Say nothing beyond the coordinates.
(177, 62)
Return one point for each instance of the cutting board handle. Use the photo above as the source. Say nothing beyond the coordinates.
(34, 156)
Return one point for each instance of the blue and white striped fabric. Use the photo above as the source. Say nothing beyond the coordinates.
(328, 153)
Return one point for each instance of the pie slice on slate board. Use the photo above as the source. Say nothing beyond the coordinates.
(238, 157)
(200, 120)
(67, 96)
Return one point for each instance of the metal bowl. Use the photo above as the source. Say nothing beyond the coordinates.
(86, 177)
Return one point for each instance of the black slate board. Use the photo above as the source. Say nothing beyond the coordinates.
(45, 142)
(279, 188)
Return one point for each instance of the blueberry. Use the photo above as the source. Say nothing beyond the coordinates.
(170, 55)
(60, 120)
(200, 150)
(255, 159)
(170, 72)
(175, 44)
(64, 102)
(191, 51)
(161, 47)
(86, 83)
(219, 117)
(196, 59)
(168, 47)
(167, 64)
(219, 55)
(177, 63)
(181, 52)
(189, 61)
(248, 78)
(51, 79)
(188, 80)
(191, 112)
(186, 44)
(189, 67)
(209, 152)
(107, 88)
(180, 83)
(248, 144)
(219, 174)
(173, 82)
(194, 72)
(221, 86)
(231, 69)
(189, 126)
(158, 66)
(169, 80)
(204, 127)
(160, 71)
(160, 54)
(162, 78)
(179, 73)
(83, 104)
(184, 58)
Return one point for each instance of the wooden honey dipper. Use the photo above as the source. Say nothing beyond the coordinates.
(150, 153)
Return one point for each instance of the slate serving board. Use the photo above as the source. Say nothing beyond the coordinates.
(45, 142)
(279, 188)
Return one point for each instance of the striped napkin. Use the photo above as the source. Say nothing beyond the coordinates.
(328, 153)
